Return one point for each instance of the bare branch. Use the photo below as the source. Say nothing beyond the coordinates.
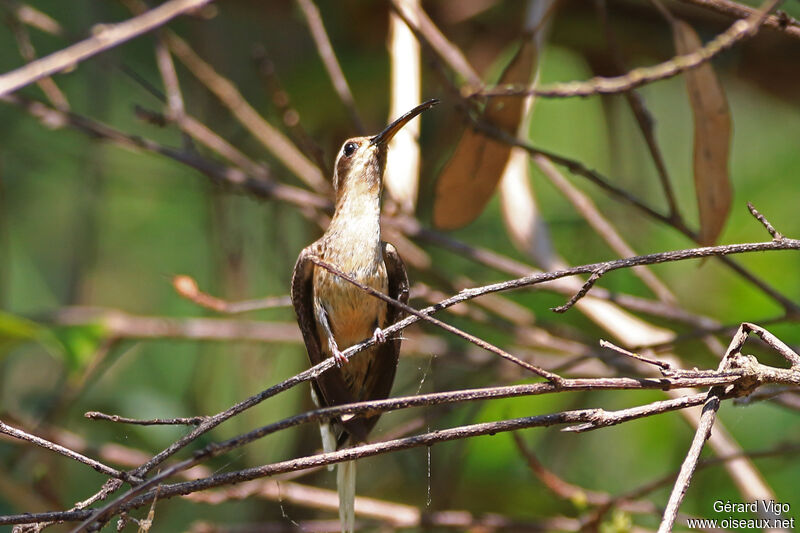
(603, 418)
(555, 378)
(187, 287)
(192, 421)
(732, 359)
(34, 18)
(119, 324)
(66, 452)
(761, 218)
(426, 31)
(588, 284)
(593, 416)
(739, 30)
(772, 341)
(28, 53)
(580, 169)
(663, 365)
(690, 463)
(227, 93)
(260, 185)
(643, 117)
(601, 225)
(107, 37)
(780, 22)
(326, 53)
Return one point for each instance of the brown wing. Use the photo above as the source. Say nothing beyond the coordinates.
(303, 302)
(381, 374)
(330, 387)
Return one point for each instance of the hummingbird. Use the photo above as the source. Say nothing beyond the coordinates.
(334, 314)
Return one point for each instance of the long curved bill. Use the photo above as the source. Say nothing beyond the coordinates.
(388, 132)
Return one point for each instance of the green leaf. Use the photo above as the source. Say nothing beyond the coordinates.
(15, 330)
(79, 344)
(74, 345)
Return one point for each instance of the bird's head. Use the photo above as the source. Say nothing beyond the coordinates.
(361, 160)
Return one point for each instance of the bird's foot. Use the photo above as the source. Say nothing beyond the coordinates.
(379, 336)
(339, 357)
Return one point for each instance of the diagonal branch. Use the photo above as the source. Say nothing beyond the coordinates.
(739, 30)
(780, 22)
(554, 378)
(110, 36)
(328, 56)
(66, 452)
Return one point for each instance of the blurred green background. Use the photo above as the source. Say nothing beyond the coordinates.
(84, 223)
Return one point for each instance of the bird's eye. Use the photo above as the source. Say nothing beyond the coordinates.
(349, 148)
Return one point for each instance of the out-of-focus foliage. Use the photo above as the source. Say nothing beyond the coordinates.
(84, 223)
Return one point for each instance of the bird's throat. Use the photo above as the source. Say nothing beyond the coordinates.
(356, 225)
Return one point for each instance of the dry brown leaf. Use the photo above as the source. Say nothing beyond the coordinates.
(471, 175)
(712, 138)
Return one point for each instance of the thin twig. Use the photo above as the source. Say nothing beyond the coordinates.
(761, 218)
(110, 36)
(690, 463)
(191, 421)
(119, 324)
(555, 378)
(187, 287)
(643, 117)
(135, 498)
(781, 22)
(739, 30)
(34, 18)
(664, 365)
(170, 78)
(771, 340)
(290, 116)
(260, 185)
(605, 419)
(256, 185)
(589, 211)
(227, 93)
(328, 56)
(426, 31)
(66, 452)
(28, 53)
(588, 284)
(579, 169)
